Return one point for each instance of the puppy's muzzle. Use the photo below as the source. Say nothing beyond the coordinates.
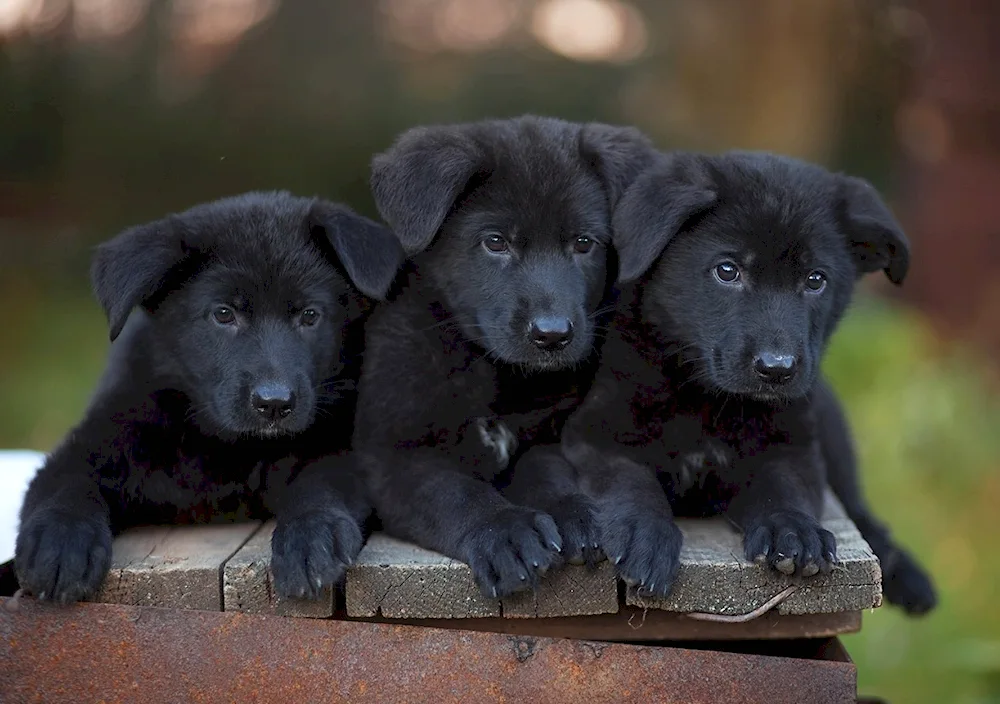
(775, 368)
(273, 401)
(551, 333)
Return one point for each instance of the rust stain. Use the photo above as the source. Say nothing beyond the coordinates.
(51, 654)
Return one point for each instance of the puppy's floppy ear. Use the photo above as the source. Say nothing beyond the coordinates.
(133, 266)
(369, 251)
(416, 181)
(617, 154)
(875, 236)
(655, 207)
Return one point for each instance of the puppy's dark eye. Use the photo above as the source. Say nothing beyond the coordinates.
(582, 245)
(495, 243)
(815, 282)
(727, 272)
(224, 315)
(309, 317)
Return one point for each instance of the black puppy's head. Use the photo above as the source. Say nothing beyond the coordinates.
(512, 218)
(760, 255)
(247, 299)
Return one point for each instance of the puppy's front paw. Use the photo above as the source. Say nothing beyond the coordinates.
(576, 519)
(312, 550)
(510, 550)
(61, 556)
(906, 585)
(645, 546)
(791, 542)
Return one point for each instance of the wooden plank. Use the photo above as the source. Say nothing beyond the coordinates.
(247, 585)
(396, 579)
(714, 578)
(227, 567)
(572, 590)
(649, 625)
(178, 567)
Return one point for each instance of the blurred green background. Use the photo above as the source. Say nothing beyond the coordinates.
(113, 112)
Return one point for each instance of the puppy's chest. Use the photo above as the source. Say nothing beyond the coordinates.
(530, 406)
(699, 432)
(537, 405)
(185, 479)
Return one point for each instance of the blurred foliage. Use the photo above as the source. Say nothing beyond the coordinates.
(100, 129)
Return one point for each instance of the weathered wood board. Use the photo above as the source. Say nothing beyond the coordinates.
(177, 567)
(569, 591)
(247, 585)
(227, 567)
(715, 578)
(400, 580)
(394, 579)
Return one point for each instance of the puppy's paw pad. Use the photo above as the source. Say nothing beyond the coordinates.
(792, 543)
(63, 557)
(312, 551)
(511, 549)
(645, 548)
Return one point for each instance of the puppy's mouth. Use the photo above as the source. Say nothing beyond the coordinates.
(272, 430)
(533, 349)
(731, 376)
(261, 430)
(244, 423)
(292, 425)
(525, 355)
(544, 362)
(772, 394)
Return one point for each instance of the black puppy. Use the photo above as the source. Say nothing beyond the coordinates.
(710, 370)
(231, 369)
(510, 222)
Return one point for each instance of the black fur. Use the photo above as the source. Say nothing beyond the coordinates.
(453, 380)
(207, 308)
(683, 400)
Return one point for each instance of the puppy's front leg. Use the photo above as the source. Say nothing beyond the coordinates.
(319, 515)
(63, 548)
(638, 532)
(423, 496)
(778, 510)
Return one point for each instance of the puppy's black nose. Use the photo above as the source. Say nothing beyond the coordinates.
(775, 368)
(551, 334)
(273, 401)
